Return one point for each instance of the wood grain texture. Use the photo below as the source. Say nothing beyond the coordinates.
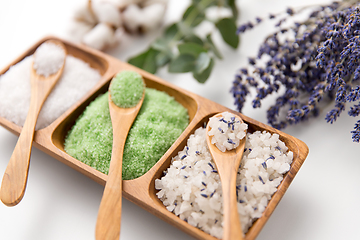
(141, 191)
(227, 164)
(15, 177)
(109, 217)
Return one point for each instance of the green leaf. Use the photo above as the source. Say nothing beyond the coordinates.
(146, 60)
(171, 31)
(160, 44)
(202, 62)
(171, 34)
(191, 49)
(184, 29)
(204, 75)
(204, 4)
(232, 5)
(182, 63)
(194, 39)
(227, 28)
(162, 59)
(196, 2)
(193, 16)
(210, 44)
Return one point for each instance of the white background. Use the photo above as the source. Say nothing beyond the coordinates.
(60, 203)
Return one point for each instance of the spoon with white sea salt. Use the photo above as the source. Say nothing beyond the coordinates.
(126, 95)
(225, 137)
(48, 65)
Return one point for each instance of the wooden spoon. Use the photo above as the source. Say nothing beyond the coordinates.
(109, 216)
(16, 173)
(227, 164)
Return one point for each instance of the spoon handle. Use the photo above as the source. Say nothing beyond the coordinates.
(232, 225)
(109, 216)
(227, 164)
(15, 178)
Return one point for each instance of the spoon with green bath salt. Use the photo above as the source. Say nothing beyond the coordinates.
(48, 65)
(226, 137)
(126, 95)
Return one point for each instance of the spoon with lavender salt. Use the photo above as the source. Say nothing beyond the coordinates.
(225, 137)
(126, 95)
(48, 65)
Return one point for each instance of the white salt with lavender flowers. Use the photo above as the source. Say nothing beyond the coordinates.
(226, 130)
(77, 79)
(49, 58)
(191, 187)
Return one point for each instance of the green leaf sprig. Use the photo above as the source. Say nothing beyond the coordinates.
(183, 50)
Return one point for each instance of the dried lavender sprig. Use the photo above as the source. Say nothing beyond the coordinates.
(356, 132)
(322, 62)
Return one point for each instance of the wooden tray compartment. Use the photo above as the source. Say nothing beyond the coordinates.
(141, 190)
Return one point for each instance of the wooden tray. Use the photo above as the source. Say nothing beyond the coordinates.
(141, 191)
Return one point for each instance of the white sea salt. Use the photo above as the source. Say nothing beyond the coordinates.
(49, 58)
(191, 186)
(77, 79)
(226, 130)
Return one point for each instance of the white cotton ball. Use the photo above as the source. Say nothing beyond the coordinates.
(119, 34)
(132, 17)
(78, 29)
(144, 19)
(107, 13)
(85, 13)
(153, 15)
(99, 37)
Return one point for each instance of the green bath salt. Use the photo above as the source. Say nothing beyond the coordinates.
(126, 89)
(159, 123)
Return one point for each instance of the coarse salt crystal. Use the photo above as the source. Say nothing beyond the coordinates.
(49, 58)
(202, 193)
(77, 79)
(226, 131)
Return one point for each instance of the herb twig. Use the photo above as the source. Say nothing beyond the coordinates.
(183, 50)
